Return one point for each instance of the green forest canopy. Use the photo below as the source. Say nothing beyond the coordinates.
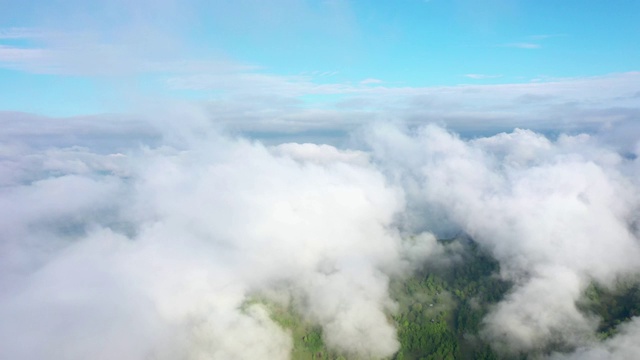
(441, 310)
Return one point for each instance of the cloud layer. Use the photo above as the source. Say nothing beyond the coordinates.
(157, 250)
(555, 214)
(154, 254)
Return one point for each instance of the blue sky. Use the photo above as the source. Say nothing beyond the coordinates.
(63, 58)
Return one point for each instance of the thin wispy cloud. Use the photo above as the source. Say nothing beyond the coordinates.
(537, 105)
(17, 55)
(522, 45)
(545, 36)
(318, 73)
(482, 76)
(533, 41)
(22, 33)
(371, 81)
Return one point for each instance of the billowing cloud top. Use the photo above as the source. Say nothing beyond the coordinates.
(155, 250)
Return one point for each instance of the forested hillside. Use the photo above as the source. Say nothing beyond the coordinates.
(441, 308)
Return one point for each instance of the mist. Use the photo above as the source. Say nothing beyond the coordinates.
(557, 214)
(160, 250)
(157, 253)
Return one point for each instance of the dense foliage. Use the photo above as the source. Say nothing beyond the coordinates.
(441, 308)
(612, 306)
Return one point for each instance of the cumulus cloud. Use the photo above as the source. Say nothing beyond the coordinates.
(156, 247)
(625, 345)
(154, 253)
(322, 154)
(557, 214)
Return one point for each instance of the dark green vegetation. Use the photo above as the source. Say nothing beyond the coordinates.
(441, 309)
(307, 337)
(612, 306)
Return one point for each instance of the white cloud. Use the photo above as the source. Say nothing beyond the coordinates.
(153, 253)
(275, 109)
(482, 76)
(556, 214)
(154, 248)
(625, 345)
(21, 33)
(371, 81)
(321, 154)
(546, 36)
(523, 45)
(14, 55)
(569, 105)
